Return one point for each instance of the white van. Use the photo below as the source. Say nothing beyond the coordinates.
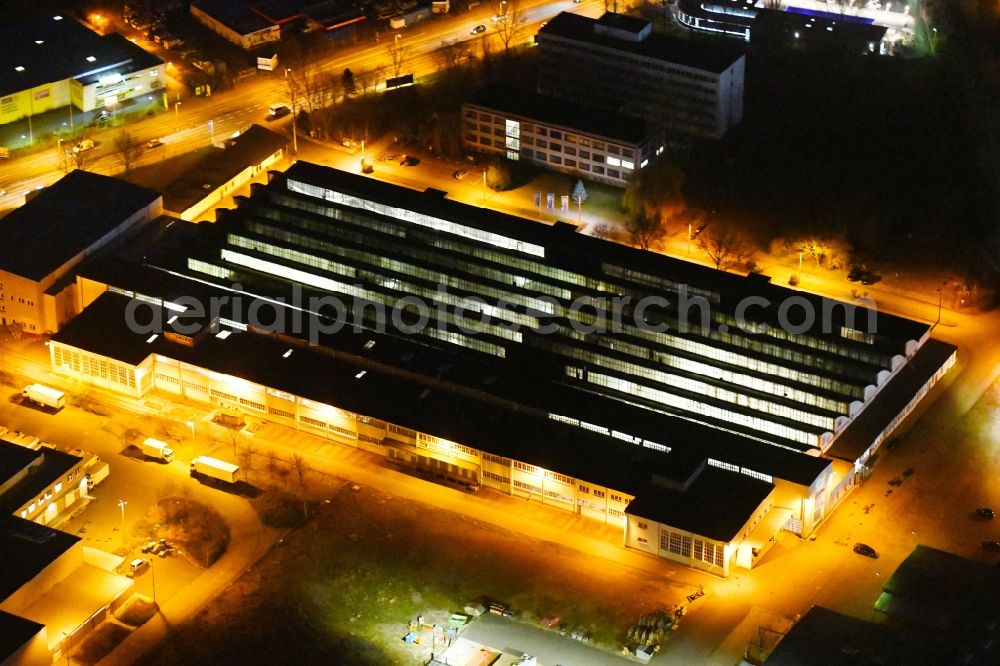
(278, 110)
(137, 567)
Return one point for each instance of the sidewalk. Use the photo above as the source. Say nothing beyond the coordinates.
(530, 518)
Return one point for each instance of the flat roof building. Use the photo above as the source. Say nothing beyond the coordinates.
(42, 241)
(940, 608)
(524, 125)
(236, 22)
(619, 64)
(524, 357)
(220, 174)
(51, 61)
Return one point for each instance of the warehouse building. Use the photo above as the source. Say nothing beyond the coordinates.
(239, 161)
(495, 351)
(52, 61)
(44, 240)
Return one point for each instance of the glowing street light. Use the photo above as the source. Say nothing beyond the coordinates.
(121, 505)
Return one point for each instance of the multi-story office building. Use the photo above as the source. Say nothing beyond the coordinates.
(523, 125)
(617, 63)
(688, 405)
(52, 61)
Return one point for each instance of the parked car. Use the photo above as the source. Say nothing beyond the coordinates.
(154, 143)
(104, 116)
(278, 111)
(863, 275)
(149, 547)
(84, 145)
(460, 174)
(408, 160)
(478, 30)
(985, 512)
(137, 567)
(866, 550)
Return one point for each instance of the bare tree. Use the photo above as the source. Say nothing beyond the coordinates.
(367, 80)
(450, 55)
(725, 247)
(397, 55)
(81, 158)
(66, 159)
(272, 461)
(644, 230)
(830, 253)
(301, 467)
(604, 231)
(509, 22)
(247, 454)
(129, 148)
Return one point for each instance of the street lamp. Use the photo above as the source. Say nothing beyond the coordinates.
(938, 320)
(152, 575)
(121, 505)
(291, 86)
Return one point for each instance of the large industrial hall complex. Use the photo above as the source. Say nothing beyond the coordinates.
(489, 350)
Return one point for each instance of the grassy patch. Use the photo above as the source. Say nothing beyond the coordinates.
(342, 588)
(281, 510)
(196, 528)
(100, 642)
(137, 612)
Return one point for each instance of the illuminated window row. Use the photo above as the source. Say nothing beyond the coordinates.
(720, 393)
(854, 352)
(690, 406)
(631, 439)
(335, 286)
(500, 460)
(741, 470)
(658, 282)
(462, 340)
(434, 275)
(719, 372)
(496, 478)
(92, 366)
(801, 374)
(436, 223)
(292, 255)
(449, 243)
(528, 487)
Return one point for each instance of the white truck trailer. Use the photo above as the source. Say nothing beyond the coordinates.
(156, 449)
(44, 396)
(215, 469)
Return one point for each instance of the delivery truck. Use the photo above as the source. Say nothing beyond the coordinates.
(214, 469)
(156, 449)
(44, 396)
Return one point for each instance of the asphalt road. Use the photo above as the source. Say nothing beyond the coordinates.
(186, 127)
